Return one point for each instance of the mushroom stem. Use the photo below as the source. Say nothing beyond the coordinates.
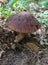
(19, 37)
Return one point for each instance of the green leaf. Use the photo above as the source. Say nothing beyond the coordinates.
(44, 3)
(12, 2)
(47, 21)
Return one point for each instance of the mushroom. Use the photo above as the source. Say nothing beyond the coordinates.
(23, 23)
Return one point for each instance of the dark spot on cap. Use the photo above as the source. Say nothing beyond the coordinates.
(36, 26)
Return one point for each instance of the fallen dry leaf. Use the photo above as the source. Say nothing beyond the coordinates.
(32, 46)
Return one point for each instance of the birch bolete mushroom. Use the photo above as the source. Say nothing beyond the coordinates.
(23, 23)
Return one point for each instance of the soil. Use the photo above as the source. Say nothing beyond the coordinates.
(25, 52)
(18, 57)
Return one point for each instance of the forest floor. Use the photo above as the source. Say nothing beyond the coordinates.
(31, 50)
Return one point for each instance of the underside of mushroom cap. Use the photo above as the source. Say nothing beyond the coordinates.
(23, 22)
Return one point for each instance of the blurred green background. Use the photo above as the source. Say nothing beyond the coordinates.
(39, 8)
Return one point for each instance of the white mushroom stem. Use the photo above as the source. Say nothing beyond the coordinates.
(19, 37)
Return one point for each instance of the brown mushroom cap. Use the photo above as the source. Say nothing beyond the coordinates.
(23, 22)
